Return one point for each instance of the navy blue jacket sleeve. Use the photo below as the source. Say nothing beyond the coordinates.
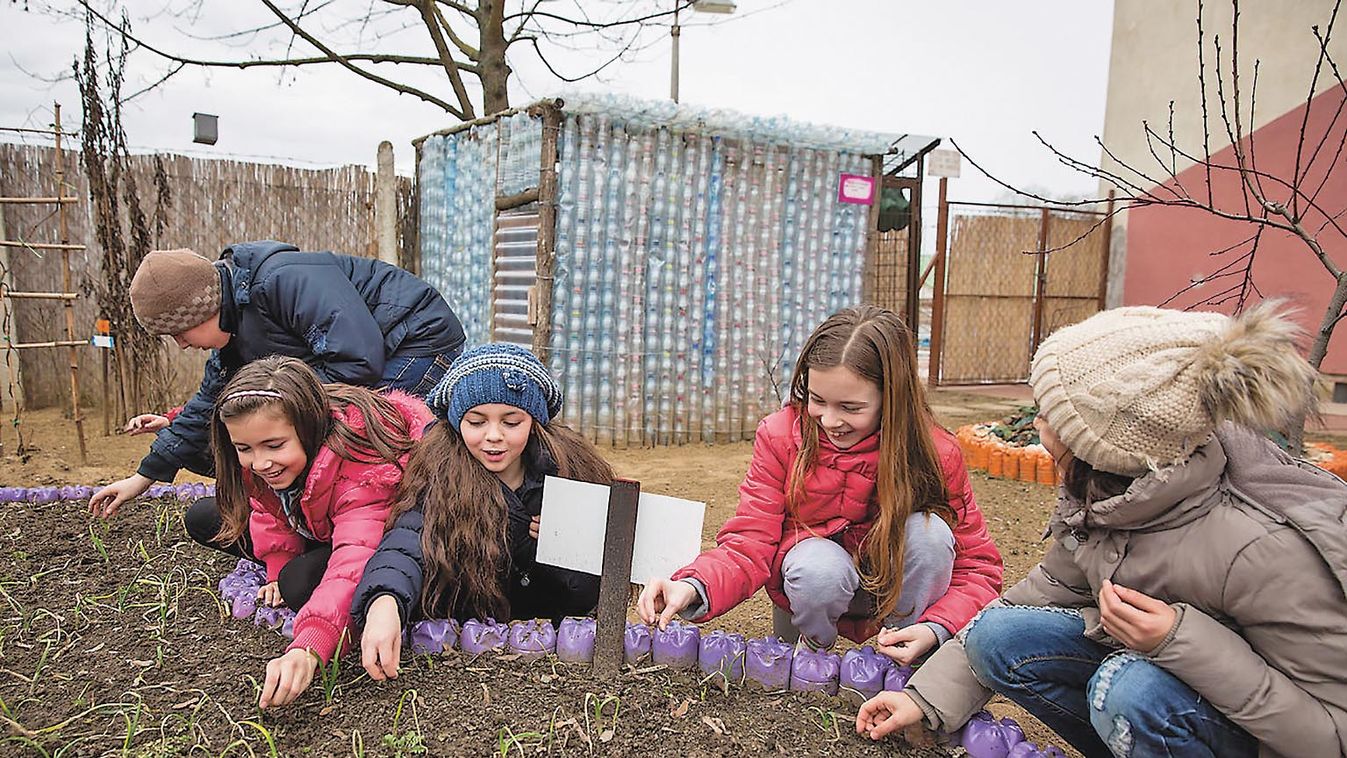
(185, 443)
(320, 305)
(397, 568)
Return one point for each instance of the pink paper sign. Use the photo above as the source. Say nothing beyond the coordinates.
(856, 188)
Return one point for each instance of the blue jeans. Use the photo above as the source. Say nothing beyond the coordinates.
(416, 375)
(1101, 700)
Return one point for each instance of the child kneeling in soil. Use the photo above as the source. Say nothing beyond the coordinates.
(307, 475)
(856, 508)
(464, 531)
(1195, 598)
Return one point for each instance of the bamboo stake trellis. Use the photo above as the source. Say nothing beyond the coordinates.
(66, 296)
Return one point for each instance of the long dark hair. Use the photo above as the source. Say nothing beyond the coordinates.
(294, 392)
(876, 345)
(465, 535)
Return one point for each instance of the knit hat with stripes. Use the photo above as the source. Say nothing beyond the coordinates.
(174, 290)
(498, 372)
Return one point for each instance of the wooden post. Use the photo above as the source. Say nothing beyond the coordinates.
(1040, 280)
(914, 251)
(547, 227)
(9, 367)
(938, 297)
(615, 584)
(107, 399)
(870, 266)
(68, 288)
(386, 206)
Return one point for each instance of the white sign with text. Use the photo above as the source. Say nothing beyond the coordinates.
(575, 518)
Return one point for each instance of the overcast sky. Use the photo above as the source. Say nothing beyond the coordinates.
(984, 73)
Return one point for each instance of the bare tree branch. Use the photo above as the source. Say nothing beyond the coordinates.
(433, 19)
(359, 71)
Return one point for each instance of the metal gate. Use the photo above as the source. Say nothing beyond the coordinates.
(1007, 276)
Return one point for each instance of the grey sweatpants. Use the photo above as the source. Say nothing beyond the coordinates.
(822, 583)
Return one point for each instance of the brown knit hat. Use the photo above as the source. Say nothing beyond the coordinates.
(174, 290)
(1136, 389)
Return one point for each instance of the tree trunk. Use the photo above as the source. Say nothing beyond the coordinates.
(495, 72)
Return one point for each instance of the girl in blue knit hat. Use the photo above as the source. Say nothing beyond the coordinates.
(464, 530)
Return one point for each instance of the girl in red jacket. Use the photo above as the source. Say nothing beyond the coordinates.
(856, 510)
(307, 474)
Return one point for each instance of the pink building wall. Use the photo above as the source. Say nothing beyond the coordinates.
(1167, 248)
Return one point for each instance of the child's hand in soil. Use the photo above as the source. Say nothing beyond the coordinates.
(381, 643)
(287, 678)
(887, 713)
(145, 423)
(662, 599)
(907, 644)
(106, 502)
(270, 594)
(1133, 618)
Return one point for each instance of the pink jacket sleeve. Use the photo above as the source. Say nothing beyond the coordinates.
(357, 526)
(977, 563)
(274, 542)
(746, 545)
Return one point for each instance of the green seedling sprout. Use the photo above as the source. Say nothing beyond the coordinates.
(97, 539)
(328, 673)
(506, 739)
(411, 743)
(266, 735)
(598, 705)
(827, 720)
(132, 727)
(357, 744)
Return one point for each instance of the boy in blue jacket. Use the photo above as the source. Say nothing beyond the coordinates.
(354, 320)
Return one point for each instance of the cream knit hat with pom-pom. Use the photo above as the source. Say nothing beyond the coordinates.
(1135, 389)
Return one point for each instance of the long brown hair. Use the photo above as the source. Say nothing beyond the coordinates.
(464, 537)
(876, 345)
(290, 389)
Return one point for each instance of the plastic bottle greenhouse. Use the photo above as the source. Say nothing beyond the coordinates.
(669, 268)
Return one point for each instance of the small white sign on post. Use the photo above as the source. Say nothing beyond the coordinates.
(944, 163)
(575, 517)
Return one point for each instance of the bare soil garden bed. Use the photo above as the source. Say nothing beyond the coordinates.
(113, 642)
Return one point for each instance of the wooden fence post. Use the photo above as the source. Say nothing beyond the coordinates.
(386, 206)
(938, 296)
(1040, 280)
(541, 306)
(615, 583)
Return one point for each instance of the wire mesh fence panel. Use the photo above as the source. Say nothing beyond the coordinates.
(886, 281)
(992, 294)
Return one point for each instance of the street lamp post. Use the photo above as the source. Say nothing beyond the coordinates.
(700, 6)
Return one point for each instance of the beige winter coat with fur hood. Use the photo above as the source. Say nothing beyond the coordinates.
(1250, 547)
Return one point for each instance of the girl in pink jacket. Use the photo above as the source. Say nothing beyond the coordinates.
(856, 510)
(306, 476)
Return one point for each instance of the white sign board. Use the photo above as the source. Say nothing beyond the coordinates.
(575, 517)
(943, 163)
